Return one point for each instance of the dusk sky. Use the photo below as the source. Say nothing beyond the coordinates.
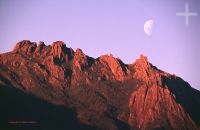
(110, 26)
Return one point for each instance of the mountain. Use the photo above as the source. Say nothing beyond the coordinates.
(59, 88)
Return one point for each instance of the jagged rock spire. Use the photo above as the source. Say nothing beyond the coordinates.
(25, 46)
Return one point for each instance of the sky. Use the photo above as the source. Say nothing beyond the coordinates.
(110, 27)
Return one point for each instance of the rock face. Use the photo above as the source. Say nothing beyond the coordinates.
(156, 108)
(104, 93)
(118, 70)
(80, 60)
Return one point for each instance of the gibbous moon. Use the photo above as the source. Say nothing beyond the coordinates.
(148, 27)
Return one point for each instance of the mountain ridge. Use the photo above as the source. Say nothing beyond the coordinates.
(104, 91)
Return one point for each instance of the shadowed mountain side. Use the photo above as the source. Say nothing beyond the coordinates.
(188, 97)
(18, 106)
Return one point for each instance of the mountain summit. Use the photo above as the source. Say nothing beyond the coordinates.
(60, 88)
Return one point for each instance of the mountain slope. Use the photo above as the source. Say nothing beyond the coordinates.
(104, 93)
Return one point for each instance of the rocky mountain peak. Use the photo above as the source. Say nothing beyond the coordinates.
(40, 47)
(117, 67)
(80, 59)
(59, 49)
(25, 46)
(142, 63)
(146, 72)
(142, 68)
(79, 53)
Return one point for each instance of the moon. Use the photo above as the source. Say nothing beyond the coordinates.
(148, 27)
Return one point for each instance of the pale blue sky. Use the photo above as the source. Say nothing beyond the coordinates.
(110, 26)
